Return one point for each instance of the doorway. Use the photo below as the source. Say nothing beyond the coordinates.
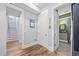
(12, 27)
(63, 28)
(13, 42)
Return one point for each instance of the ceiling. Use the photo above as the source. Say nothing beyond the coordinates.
(43, 5)
(35, 8)
(25, 7)
(13, 12)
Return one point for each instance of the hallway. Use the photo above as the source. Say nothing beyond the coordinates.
(35, 30)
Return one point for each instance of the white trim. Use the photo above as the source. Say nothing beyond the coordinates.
(4, 32)
(49, 48)
(71, 37)
(63, 40)
(29, 45)
(14, 7)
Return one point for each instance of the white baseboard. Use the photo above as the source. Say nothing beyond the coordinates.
(28, 45)
(31, 44)
(50, 49)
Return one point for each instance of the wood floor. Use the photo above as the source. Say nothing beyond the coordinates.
(64, 48)
(14, 49)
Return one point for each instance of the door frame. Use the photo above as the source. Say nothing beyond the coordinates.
(71, 36)
(55, 29)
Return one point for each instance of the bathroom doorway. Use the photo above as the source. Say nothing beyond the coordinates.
(63, 18)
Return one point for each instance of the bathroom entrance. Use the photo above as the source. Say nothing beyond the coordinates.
(63, 29)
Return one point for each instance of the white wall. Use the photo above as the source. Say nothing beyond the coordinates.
(43, 30)
(3, 29)
(30, 34)
(21, 29)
